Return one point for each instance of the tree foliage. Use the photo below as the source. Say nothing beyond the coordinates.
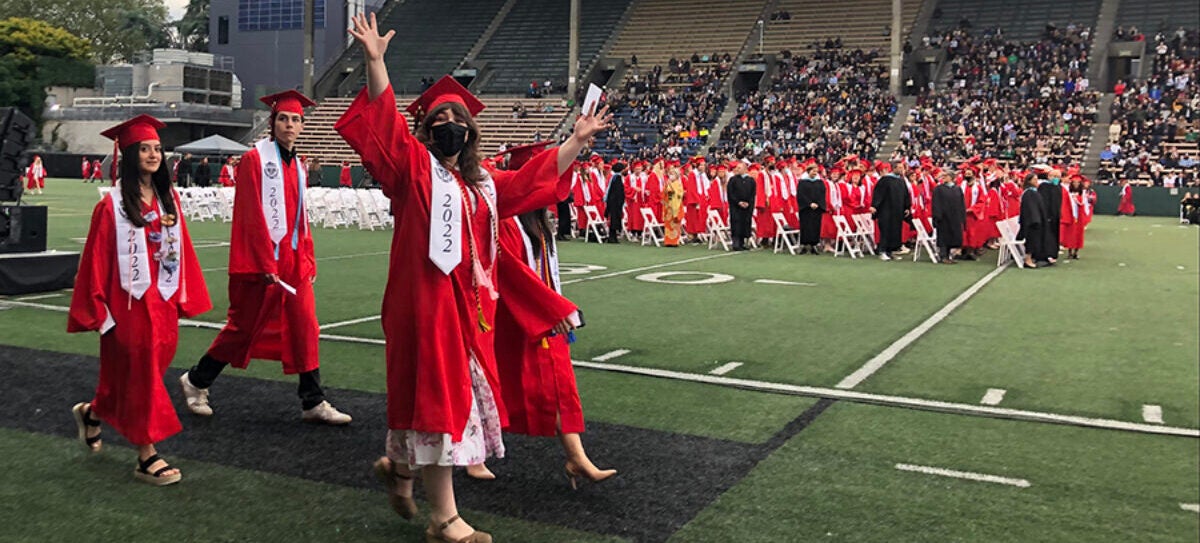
(116, 29)
(193, 27)
(35, 55)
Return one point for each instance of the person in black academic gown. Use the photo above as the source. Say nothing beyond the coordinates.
(1051, 193)
(810, 198)
(614, 203)
(741, 192)
(890, 205)
(949, 215)
(1033, 223)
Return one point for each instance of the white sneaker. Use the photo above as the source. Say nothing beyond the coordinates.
(884, 256)
(903, 251)
(197, 398)
(324, 413)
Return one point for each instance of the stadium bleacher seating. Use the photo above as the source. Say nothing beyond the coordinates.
(860, 24)
(1021, 19)
(442, 40)
(531, 44)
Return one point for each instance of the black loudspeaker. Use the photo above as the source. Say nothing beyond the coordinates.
(22, 229)
(16, 132)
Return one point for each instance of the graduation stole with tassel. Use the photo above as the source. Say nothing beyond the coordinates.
(449, 200)
(133, 257)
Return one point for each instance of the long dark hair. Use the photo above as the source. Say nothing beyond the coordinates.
(468, 159)
(536, 224)
(131, 190)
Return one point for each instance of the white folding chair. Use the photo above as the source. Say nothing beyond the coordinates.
(371, 216)
(383, 205)
(925, 242)
(847, 238)
(1011, 250)
(226, 195)
(864, 228)
(652, 230)
(335, 215)
(718, 232)
(596, 224)
(785, 237)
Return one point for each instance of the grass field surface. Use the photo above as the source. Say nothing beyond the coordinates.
(1102, 337)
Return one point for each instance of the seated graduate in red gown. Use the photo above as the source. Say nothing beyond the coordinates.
(137, 276)
(444, 405)
(272, 268)
(533, 324)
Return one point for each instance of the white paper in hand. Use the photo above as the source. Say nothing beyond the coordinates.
(290, 289)
(592, 100)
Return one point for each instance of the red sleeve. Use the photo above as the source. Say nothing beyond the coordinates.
(534, 306)
(193, 298)
(250, 250)
(89, 300)
(760, 192)
(536, 185)
(378, 132)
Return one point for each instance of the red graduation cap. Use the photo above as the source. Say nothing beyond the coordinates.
(289, 100)
(135, 130)
(446, 90)
(518, 156)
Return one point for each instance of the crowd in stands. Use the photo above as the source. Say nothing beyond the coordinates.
(1024, 102)
(1162, 109)
(668, 112)
(825, 104)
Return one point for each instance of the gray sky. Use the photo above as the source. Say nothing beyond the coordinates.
(176, 8)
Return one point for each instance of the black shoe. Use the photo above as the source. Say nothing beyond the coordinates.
(967, 257)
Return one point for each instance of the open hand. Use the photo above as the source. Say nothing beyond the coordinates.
(587, 126)
(366, 32)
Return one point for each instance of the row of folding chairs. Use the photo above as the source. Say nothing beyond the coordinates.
(367, 209)
(202, 204)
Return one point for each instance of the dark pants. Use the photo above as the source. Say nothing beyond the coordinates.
(739, 226)
(614, 225)
(564, 219)
(206, 371)
(944, 252)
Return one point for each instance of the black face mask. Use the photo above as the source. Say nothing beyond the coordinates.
(449, 138)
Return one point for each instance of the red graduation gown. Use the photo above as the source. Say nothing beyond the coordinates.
(764, 224)
(654, 195)
(694, 200)
(976, 216)
(717, 198)
(633, 202)
(536, 376)
(227, 176)
(344, 178)
(832, 203)
(430, 319)
(1126, 206)
(264, 320)
(135, 354)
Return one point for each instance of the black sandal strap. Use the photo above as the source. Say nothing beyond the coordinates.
(144, 465)
(160, 471)
(92, 440)
(87, 417)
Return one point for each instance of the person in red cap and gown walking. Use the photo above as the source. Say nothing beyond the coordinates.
(138, 274)
(444, 406)
(272, 311)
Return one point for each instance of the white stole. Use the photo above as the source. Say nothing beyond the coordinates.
(133, 256)
(446, 220)
(274, 201)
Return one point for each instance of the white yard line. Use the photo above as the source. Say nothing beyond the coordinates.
(322, 259)
(611, 355)
(896, 401)
(726, 368)
(873, 365)
(797, 390)
(211, 245)
(993, 397)
(1022, 483)
(38, 297)
(349, 322)
(778, 282)
(1193, 507)
(654, 267)
(1152, 414)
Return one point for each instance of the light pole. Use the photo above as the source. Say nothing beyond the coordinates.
(760, 38)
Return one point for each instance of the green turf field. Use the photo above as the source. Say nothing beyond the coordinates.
(1099, 338)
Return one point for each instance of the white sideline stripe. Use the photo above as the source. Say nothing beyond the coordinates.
(873, 365)
(897, 401)
(1152, 414)
(211, 245)
(726, 368)
(964, 475)
(778, 282)
(38, 297)
(611, 355)
(349, 322)
(798, 390)
(635, 270)
(993, 397)
(1193, 507)
(322, 259)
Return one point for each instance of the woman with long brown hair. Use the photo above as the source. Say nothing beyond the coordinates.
(441, 294)
(138, 275)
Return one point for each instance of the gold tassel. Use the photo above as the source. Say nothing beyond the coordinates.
(545, 343)
(483, 324)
